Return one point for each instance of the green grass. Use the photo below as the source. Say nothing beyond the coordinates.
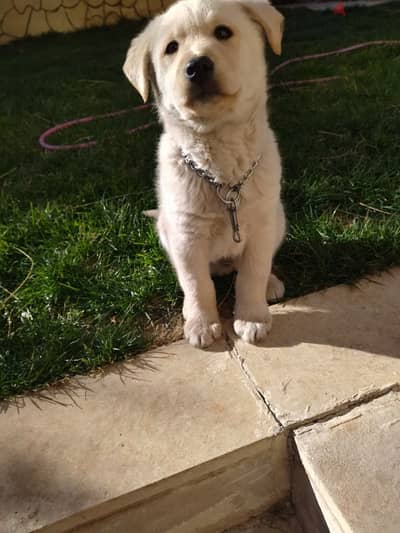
(81, 273)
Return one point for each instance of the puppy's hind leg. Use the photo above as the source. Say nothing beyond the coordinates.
(275, 287)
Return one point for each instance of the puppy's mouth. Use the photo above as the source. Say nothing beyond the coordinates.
(209, 94)
(203, 93)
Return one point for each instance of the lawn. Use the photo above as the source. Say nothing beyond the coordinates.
(83, 281)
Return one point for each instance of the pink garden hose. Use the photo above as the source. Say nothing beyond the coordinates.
(63, 126)
(59, 127)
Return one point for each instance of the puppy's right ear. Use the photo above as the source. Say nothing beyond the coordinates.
(269, 19)
(137, 63)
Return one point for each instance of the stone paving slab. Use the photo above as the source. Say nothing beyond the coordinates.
(353, 463)
(98, 438)
(328, 350)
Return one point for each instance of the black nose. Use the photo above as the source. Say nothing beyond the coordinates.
(199, 69)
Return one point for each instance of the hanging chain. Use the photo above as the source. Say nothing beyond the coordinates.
(228, 194)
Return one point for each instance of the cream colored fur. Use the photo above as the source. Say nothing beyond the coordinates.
(223, 134)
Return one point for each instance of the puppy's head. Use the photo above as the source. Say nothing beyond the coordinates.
(205, 58)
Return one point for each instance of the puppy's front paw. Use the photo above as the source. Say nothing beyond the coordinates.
(252, 332)
(201, 333)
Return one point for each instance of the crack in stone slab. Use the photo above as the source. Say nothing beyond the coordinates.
(234, 353)
(345, 421)
(336, 411)
(344, 408)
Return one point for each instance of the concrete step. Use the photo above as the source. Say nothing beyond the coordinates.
(280, 519)
(353, 464)
(183, 440)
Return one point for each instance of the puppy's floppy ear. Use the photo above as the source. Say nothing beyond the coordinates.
(137, 63)
(269, 18)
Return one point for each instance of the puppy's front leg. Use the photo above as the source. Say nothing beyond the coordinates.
(252, 317)
(202, 325)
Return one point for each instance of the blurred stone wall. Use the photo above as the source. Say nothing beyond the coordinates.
(20, 18)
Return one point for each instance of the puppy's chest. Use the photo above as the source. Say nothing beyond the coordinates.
(205, 198)
(222, 243)
(225, 225)
(194, 207)
(221, 210)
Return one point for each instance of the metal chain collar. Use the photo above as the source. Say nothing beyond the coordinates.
(228, 194)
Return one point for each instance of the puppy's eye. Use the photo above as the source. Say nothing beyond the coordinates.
(172, 47)
(222, 33)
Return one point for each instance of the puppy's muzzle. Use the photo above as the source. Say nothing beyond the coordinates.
(200, 73)
(199, 70)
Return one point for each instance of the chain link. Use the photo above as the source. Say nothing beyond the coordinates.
(213, 180)
(230, 198)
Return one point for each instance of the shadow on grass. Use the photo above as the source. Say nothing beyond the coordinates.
(74, 391)
(312, 261)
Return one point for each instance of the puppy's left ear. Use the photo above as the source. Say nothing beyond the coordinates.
(270, 20)
(137, 63)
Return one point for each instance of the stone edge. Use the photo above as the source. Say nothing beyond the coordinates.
(197, 483)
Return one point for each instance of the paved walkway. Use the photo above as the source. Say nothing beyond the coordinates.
(188, 440)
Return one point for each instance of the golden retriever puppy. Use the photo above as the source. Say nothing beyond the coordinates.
(219, 168)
